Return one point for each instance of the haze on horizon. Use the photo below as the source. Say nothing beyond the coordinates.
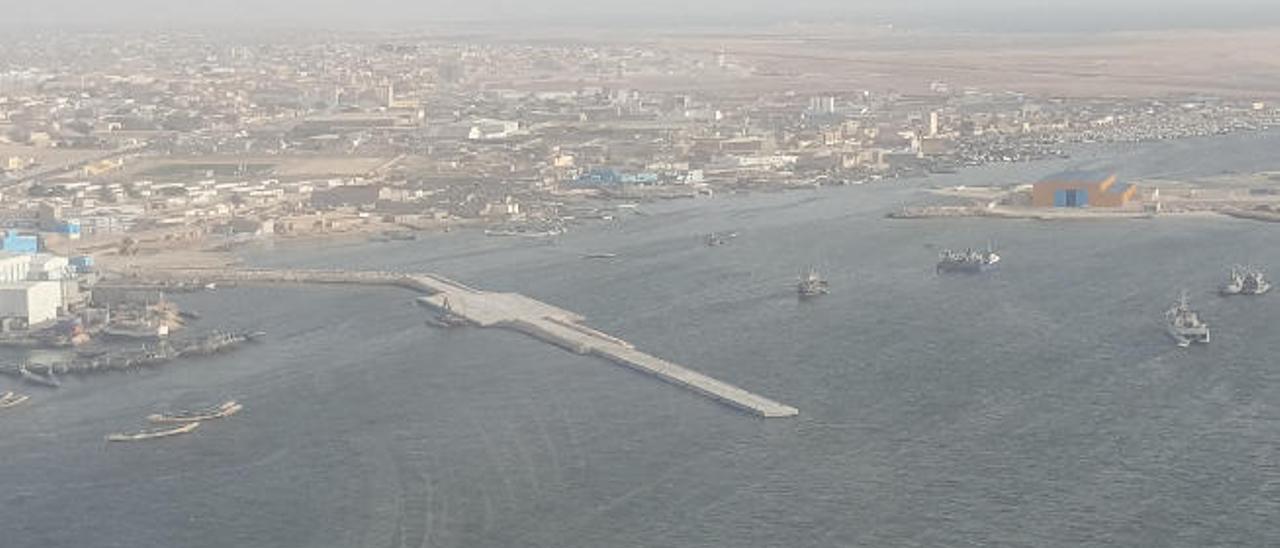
(992, 15)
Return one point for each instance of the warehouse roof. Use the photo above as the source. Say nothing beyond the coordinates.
(1079, 176)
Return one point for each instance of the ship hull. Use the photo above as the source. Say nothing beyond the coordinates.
(1185, 337)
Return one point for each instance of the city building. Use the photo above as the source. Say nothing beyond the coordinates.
(1082, 189)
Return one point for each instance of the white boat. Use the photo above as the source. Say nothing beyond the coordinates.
(154, 433)
(226, 409)
(10, 399)
(1185, 325)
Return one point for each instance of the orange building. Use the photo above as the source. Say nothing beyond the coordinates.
(1082, 189)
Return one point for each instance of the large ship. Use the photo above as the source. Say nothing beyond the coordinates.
(968, 261)
(811, 284)
(1246, 281)
(225, 409)
(1185, 325)
(154, 433)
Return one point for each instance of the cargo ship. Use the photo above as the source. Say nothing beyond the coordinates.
(154, 433)
(1185, 325)
(225, 409)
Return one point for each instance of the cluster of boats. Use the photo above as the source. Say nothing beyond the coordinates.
(969, 261)
(181, 422)
(102, 361)
(12, 399)
(1184, 323)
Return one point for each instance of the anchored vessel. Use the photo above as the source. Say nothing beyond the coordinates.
(225, 409)
(154, 433)
(968, 261)
(716, 239)
(1246, 281)
(811, 284)
(1185, 325)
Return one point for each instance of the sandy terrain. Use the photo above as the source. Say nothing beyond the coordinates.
(1235, 63)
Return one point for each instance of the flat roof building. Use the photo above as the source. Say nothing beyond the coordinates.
(1082, 189)
(33, 302)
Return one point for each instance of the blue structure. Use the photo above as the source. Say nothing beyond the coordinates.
(1071, 198)
(612, 177)
(21, 243)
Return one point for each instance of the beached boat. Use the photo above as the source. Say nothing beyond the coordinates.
(154, 433)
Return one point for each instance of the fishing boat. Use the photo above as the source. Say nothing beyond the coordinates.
(46, 380)
(1185, 325)
(10, 399)
(154, 433)
(225, 409)
(811, 284)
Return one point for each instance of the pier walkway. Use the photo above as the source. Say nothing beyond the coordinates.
(506, 310)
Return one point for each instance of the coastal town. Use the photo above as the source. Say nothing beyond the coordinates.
(191, 143)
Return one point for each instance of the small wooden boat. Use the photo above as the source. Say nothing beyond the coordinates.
(10, 399)
(225, 409)
(154, 433)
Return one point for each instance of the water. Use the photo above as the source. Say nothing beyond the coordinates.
(1039, 406)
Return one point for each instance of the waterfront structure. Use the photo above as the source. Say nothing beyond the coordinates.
(512, 311)
(1082, 189)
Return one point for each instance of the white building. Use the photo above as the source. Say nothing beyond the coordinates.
(34, 302)
(45, 266)
(14, 267)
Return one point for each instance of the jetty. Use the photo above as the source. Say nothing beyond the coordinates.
(512, 311)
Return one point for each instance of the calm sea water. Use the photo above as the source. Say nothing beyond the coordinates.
(1038, 406)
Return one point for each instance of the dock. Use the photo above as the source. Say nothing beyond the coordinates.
(512, 311)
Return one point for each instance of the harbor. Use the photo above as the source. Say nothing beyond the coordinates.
(512, 311)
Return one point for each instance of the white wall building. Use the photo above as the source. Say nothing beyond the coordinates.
(14, 267)
(35, 302)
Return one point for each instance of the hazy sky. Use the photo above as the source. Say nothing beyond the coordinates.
(985, 14)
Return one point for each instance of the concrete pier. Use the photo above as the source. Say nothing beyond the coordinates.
(506, 310)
